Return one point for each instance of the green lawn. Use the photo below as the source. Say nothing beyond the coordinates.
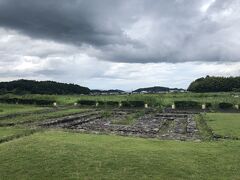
(225, 124)
(65, 155)
(10, 131)
(41, 116)
(6, 109)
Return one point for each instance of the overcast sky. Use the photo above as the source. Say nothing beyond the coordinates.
(122, 44)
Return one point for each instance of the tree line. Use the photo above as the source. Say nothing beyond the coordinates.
(41, 87)
(215, 84)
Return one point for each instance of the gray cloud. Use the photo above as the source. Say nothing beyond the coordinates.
(132, 31)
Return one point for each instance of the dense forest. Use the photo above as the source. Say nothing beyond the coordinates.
(215, 84)
(41, 87)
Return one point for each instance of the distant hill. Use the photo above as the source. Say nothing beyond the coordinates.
(111, 91)
(157, 89)
(154, 89)
(41, 87)
(215, 84)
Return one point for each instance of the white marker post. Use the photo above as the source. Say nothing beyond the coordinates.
(146, 105)
(120, 104)
(173, 106)
(97, 104)
(55, 104)
(203, 106)
(237, 106)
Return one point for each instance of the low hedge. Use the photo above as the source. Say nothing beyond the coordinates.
(112, 103)
(224, 105)
(27, 101)
(101, 103)
(87, 102)
(187, 104)
(133, 104)
(208, 105)
(108, 103)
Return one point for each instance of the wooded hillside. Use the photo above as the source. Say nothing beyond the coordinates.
(41, 87)
(215, 84)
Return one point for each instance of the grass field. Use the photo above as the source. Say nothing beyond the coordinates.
(163, 99)
(16, 108)
(53, 154)
(65, 155)
(10, 131)
(33, 117)
(224, 124)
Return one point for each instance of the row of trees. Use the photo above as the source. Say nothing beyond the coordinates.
(215, 84)
(41, 87)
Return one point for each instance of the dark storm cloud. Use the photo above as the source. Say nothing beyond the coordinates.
(132, 30)
(71, 21)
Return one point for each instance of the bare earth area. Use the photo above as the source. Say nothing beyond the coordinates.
(179, 125)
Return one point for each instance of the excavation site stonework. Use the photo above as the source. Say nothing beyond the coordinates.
(148, 123)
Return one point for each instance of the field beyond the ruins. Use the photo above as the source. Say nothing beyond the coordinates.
(76, 142)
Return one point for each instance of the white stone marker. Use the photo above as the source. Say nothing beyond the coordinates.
(120, 104)
(75, 104)
(55, 104)
(237, 106)
(203, 106)
(173, 106)
(146, 105)
(97, 104)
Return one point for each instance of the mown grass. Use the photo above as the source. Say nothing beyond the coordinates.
(9, 131)
(65, 155)
(6, 109)
(224, 124)
(34, 117)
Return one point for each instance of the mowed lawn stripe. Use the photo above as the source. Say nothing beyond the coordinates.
(66, 155)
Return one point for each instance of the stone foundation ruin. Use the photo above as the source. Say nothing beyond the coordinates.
(179, 125)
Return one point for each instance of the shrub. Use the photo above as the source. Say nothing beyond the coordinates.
(27, 101)
(133, 103)
(9, 100)
(224, 105)
(112, 103)
(126, 104)
(137, 103)
(87, 102)
(187, 104)
(44, 102)
(101, 103)
(208, 105)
